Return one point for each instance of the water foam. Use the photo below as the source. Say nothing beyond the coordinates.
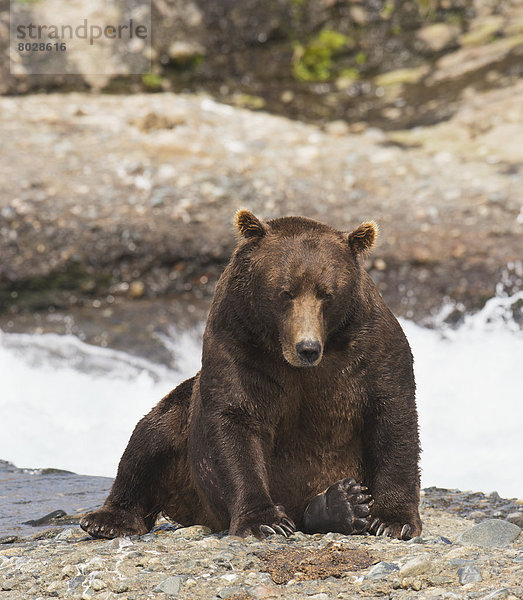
(469, 392)
(69, 405)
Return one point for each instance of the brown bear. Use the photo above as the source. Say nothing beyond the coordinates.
(303, 414)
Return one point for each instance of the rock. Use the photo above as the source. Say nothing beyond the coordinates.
(381, 570)
(492, 532)
(287, 96)
(69, 571)
(231, 592)
(98, 585)
(497, 594)
(478, 514)
(358, 14)
(515, 24)
(75, 583)
(415, 566)
(153, 120)
(181, 51)
(380, 264)
(469, 574)
(49, 518)
(418, 539)
(195, 532)
(440, 539)
(438, 36)
(68, 534)
(482, 31)
(516, 518)
(337, 128)
(136, 289)
(471, 59)
(504, 141)
(8, 539)
(170, 586)
(401, 76)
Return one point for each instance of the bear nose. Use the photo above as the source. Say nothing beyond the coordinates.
(308, 351)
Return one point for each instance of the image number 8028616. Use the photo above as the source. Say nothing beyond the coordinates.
(42, 47)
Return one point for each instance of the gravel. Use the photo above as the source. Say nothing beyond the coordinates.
(193, 563)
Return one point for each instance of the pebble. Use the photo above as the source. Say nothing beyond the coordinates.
(415, 566)
(67, 534)
(442, 540)
(381, 570)
(478, 514)
(8, 539)
(195, 532)
(136, 289)
(491, 532)
(516, 518)
(170, 586)
(469, 574)
(97, 585)
(497, 595)
(230, 591)
(69, 571)
(75, 583)
(337, 128)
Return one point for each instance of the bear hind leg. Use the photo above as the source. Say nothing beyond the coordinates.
(152, 475)
(343, 508)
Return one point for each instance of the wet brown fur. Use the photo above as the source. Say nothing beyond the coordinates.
(253, 437)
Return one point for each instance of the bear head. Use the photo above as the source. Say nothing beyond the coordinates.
(300, 281)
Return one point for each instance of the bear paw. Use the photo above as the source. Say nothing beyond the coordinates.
(343, 507)
(112, 522)
(262, 524)
(399, 530)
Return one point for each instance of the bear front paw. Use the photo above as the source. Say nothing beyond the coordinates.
(344, 508)
(399, 530)
(111, 523)
(264, 523)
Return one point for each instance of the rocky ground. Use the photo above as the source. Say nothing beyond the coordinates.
(470, 548)
(115, 212)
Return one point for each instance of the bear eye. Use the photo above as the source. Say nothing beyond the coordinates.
(286, 295)
(325, 296)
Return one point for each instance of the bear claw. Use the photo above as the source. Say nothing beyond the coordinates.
(395, 530)
(285, 529)
(267, 530)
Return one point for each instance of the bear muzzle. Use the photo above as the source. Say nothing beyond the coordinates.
(309, 352)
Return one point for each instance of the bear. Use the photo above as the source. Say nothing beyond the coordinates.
(303, 414)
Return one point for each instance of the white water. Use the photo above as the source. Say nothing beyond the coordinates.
(68, 405)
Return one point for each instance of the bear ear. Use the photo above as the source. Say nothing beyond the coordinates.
(362, 239)
(249, 225)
